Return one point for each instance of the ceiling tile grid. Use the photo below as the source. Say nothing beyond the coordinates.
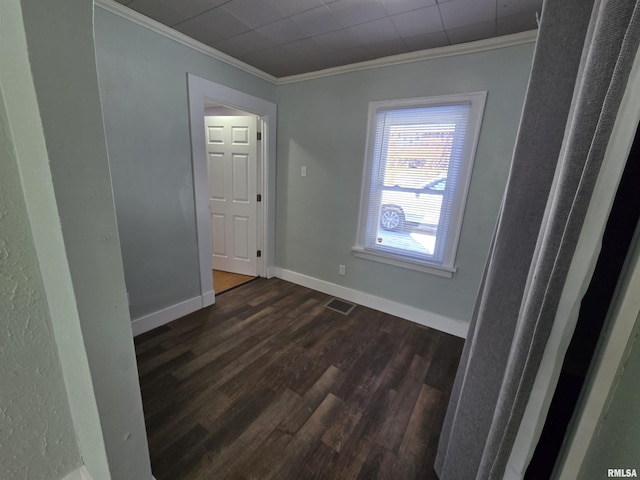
(289, 37)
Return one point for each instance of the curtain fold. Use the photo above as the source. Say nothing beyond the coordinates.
(583, 56)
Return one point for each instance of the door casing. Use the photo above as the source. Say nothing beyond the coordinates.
(199, 91)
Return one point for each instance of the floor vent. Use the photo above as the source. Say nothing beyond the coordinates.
(340, 306)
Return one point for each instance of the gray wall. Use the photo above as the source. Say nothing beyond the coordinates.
(322, 125)
(143, 83)
(37, 440)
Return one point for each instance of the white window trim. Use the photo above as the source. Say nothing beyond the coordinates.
(448, 267)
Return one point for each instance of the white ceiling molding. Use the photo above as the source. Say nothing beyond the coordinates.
(118, 9)
(439, 52)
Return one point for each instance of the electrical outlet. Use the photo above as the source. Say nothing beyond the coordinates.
(342, 270)
(303, 171)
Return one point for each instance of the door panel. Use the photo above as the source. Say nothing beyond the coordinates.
(240, 178)
(216, 176)
(241, 237)
(218, 235)
(232, 167)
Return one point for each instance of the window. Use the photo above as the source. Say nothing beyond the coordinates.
(417, 170)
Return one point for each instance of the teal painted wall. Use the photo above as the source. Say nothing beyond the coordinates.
(37, 440)
(322, 125)
(143, 84)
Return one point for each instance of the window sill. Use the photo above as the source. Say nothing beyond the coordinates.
(402, 262)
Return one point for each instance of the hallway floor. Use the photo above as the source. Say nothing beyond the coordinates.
(223, 281)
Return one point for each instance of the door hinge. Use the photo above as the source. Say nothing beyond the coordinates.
(259, 198)
(259, 253)
(259, 135)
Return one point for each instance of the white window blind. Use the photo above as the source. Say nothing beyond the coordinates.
(418, 164)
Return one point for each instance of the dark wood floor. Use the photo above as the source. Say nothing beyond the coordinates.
(270, 384)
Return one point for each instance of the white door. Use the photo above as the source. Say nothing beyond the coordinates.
(232, 169)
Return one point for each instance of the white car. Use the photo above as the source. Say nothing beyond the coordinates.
(412, 205)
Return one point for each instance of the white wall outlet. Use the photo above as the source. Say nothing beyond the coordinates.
(342, 270)
(303, 171)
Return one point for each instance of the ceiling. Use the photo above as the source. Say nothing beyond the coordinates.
(290, 37)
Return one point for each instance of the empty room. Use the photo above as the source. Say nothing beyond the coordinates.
(280, 239)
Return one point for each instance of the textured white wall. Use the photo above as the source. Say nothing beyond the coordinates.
(37, 440)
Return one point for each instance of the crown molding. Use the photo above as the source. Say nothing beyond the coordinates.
(447, 51)
(118, 9)
(411, 57)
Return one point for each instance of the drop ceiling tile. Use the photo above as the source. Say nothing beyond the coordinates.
(376, 31)
(286, 69)
(386, 48)
(512, 7)
(321, 62)
(338, 58)
(316, 21)
(294, 36)
(212, 26)
(170, 12)
(399, 6)
(252, 13)
(338, 39)
(416, 22)
(287, 8)
(324, 61)
(459, 13)
(426, 40)
(354, 12)
(250, 41)
(352, 55)
(303, 48)
(471, 33)
(518, 22)
(282, 31)
(261, 59)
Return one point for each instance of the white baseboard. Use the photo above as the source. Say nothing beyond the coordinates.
(422, 317)
(166, 315)
(83, 474)
(208, 299)
(79, 474)
(272, 271)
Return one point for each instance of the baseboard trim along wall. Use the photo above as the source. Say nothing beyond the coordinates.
(422, 317)
(173, 312)
(416, 315)
(83, 474)
(79, 474)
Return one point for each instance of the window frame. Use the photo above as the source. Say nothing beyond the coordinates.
(477, 101)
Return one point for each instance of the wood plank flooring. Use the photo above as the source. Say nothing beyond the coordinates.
(223, 281)
(270, 384)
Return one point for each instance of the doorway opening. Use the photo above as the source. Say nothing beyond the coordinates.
(232, 139)
(242, 182)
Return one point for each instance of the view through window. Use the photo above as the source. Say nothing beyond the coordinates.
(418, 164)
